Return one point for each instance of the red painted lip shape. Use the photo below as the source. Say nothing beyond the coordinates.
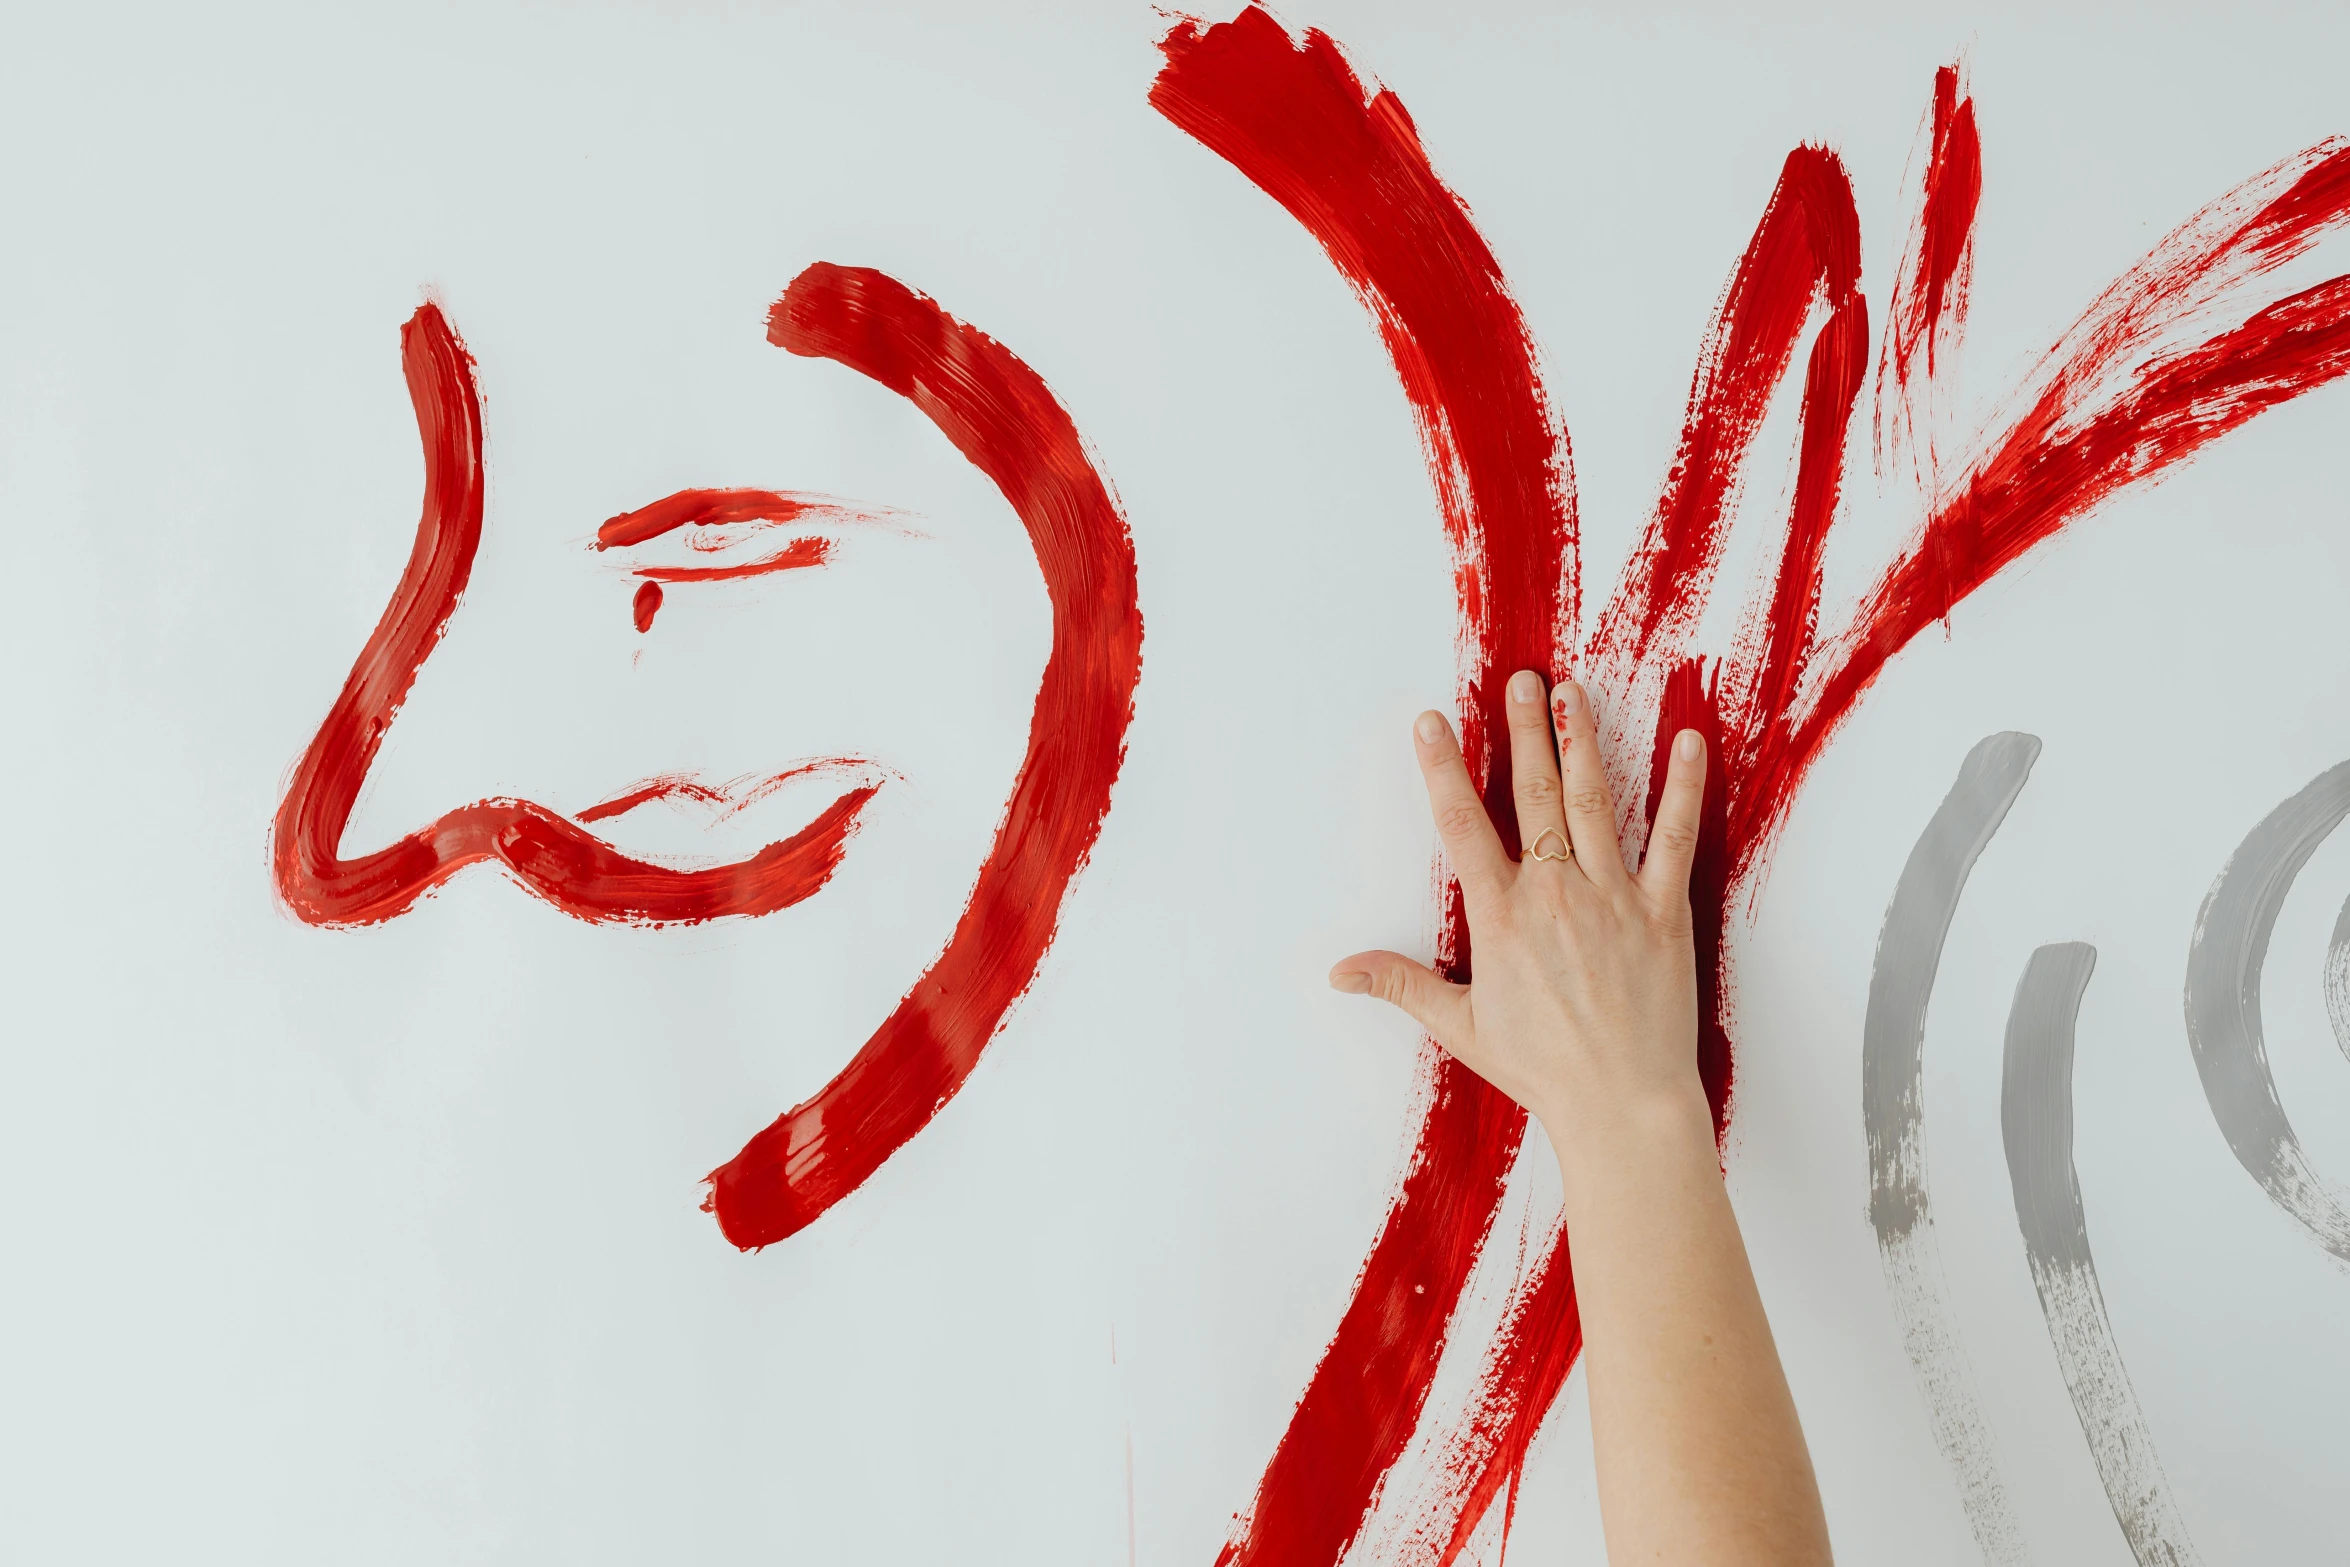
(547, 853)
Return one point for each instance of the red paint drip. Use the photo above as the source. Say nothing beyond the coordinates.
(643, 608)
(1347, 164)
(2118, 400)
(1001, 416)
(548, 854)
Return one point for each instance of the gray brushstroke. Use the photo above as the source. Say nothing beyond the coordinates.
(1892, 1104)
(2224, 964)
(2338, 979)
(2036, 1123)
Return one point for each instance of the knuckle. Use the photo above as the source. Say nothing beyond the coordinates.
(1458, 818)
(1676, 838)
(1539, 790)
(1587, 800)
(1394, 985)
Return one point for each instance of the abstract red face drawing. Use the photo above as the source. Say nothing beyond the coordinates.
(1001, 417)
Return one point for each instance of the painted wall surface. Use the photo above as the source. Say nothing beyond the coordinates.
(926, 561)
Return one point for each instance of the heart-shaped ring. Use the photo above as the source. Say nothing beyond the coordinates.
(1566, 849)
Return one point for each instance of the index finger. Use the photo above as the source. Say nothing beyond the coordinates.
(1469, 838)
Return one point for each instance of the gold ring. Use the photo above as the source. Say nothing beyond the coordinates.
(1566, 849)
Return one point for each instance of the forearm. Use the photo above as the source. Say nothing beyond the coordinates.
(1700, 1456)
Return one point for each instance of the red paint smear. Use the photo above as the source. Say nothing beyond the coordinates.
(1805, 250)
(718, 509)
(1930, 293)
(799, 553)
(642, 609)
(721, 800)
(549, 855)
(1348, 165)
(1000, 415)
(2117, 401)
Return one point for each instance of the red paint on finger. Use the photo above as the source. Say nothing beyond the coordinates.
(2117, 401)
(1001, 416)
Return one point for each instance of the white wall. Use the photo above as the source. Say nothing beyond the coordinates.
(382, 1246)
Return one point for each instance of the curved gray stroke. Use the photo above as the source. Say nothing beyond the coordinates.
(2036, 1124)
(1892, 1103)
(2338, 979)
(2224, 963)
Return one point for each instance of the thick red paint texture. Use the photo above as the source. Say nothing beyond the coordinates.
(642, 608)
(1001, 416)
(2139, 383)
(545, 852)
(1349, 166)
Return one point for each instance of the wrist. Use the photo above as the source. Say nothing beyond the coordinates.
(1631, 1132)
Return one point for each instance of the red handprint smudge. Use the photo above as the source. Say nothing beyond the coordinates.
(2138, 384)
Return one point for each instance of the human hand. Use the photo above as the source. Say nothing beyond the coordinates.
(1583, 1005)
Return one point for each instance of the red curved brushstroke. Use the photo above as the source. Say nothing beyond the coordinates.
(642, 609)
(1806, 249)
(1349, 166)
(548, 854)
(1000, 415)
(2116, 402)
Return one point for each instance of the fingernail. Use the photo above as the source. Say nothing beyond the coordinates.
(1430, 727)
(1691, 746)
(1353, 981)
(1565, 700)
(1525, 686)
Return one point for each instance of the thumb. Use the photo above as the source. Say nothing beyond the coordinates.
(1434, 1002)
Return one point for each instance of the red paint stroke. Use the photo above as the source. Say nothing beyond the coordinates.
(1930, 291)
(1349, 166)
(813, 550)
(2138, 384)
(725, 509)
(643, 608)
(548, 854)
(718, 801)
(1000, 415)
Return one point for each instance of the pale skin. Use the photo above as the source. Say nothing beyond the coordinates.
(1584, 1010)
